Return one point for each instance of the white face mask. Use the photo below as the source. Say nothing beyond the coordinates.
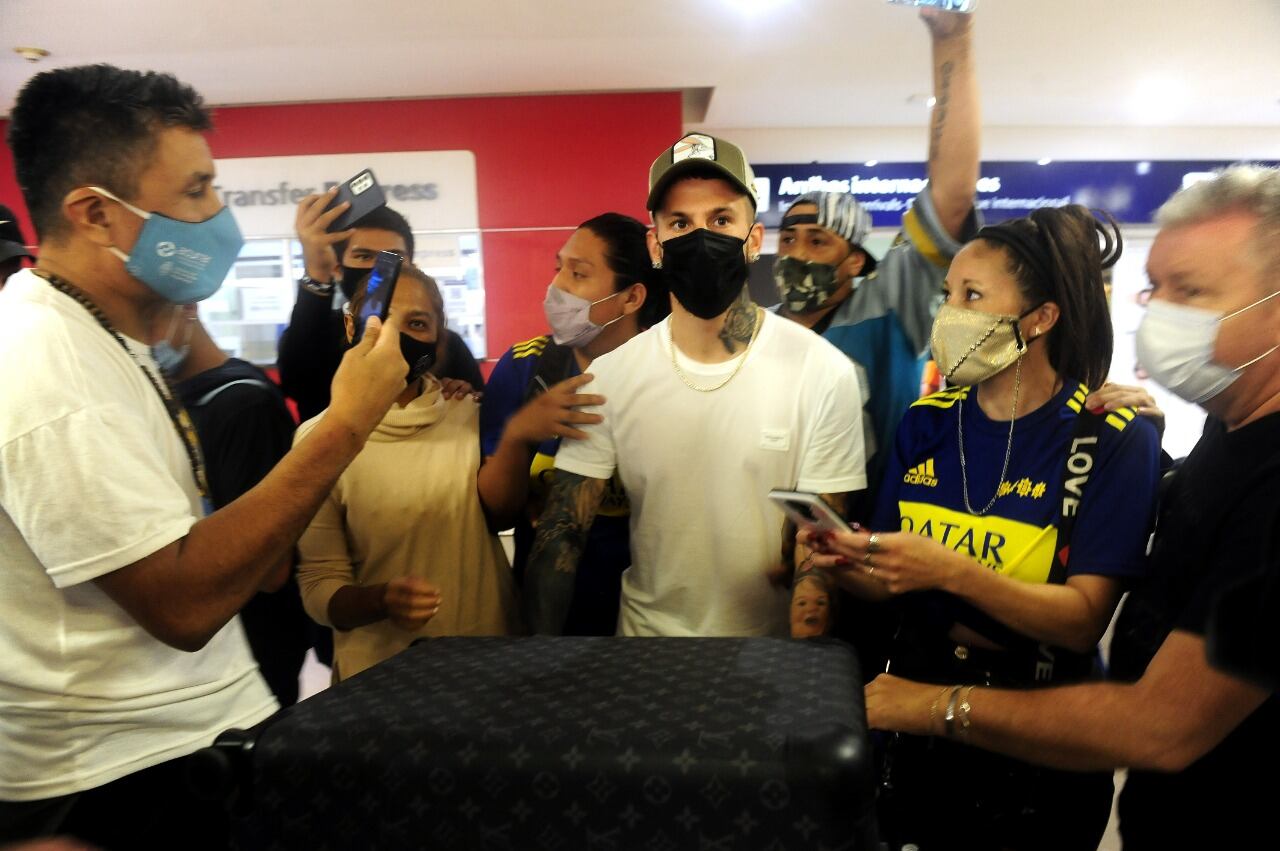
(570, 317)
(1175, 346)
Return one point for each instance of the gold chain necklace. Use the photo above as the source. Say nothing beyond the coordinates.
(1008, 449)
(755, 332)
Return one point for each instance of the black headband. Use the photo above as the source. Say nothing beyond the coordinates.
(798, 219)
(1027, 248)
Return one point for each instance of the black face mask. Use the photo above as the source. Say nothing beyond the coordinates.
(350, 279)
(704, 270)
(419, 355)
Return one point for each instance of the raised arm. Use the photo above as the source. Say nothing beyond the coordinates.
(311, 347)
(955, 126)
(188, 590)
(562, 535)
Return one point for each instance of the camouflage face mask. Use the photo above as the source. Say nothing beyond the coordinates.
(804, 286)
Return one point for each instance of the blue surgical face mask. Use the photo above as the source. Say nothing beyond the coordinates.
(170, 357)
(183, 262)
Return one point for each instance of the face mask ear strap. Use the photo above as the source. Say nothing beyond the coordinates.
(1023, 342)
(106, 193)
(1250, 306)
(1018, 338)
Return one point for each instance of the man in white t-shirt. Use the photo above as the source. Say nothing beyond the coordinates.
(704, 414)
(118, 595)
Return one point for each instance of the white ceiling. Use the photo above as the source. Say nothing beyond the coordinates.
(769, 63)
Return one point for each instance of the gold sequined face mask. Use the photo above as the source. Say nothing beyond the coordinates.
(971, 346)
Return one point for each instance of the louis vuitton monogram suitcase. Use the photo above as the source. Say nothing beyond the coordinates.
(564, 744)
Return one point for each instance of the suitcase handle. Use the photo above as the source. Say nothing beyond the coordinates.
(222, 771)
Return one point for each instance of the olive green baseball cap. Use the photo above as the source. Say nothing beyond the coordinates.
(700, 151)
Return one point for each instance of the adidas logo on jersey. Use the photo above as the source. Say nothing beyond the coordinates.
(921, 474)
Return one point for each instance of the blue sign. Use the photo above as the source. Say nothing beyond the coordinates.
(1130, 191)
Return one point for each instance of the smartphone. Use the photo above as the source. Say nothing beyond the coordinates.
(365, 196)
(944, 5)
(808, 509)
(379, 287)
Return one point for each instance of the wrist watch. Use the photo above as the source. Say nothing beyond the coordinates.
(320, 288)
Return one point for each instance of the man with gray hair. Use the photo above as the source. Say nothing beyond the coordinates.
(1196, 724)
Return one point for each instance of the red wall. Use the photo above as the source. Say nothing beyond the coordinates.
(541, 162)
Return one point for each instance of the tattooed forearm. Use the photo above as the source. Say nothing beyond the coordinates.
(562, 535)
(739, 323)
(940, 109)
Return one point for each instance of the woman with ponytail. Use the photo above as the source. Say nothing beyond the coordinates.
(1009, 521)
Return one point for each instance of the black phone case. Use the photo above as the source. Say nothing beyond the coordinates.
(365, 196)
(360, 319)
(566, 743)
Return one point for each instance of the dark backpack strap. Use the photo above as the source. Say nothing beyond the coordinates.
(209, 397)
(554, 365)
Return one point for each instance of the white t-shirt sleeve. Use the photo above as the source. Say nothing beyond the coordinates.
(835, 459)
(595, 457)
(91, 493)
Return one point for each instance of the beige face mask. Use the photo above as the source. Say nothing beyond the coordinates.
(971, 346)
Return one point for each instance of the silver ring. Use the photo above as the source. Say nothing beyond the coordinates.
(867, 561)
(873, 543)
(871, 571)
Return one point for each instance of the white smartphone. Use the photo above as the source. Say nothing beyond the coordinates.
(944, 5)
(808, 509)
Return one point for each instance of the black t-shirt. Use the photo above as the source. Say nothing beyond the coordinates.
(245, 429)
(1215, 528)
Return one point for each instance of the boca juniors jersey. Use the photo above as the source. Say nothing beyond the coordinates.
(923, 489)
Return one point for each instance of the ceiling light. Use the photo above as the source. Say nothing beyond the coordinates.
(872, 163)
(1043, 161)
(926, 100)
(751, 8)
(31, 54)
(1155, 100)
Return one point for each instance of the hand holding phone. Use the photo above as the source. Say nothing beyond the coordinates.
(809, 510)
(364, 195)
(379, 288)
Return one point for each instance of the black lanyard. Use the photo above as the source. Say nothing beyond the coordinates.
(177, 414)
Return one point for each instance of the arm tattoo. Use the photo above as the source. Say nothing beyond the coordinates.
(940, 110)
(739, 323)
(562, 529)
(562, 535)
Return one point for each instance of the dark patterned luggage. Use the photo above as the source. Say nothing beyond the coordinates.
(567, 743)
